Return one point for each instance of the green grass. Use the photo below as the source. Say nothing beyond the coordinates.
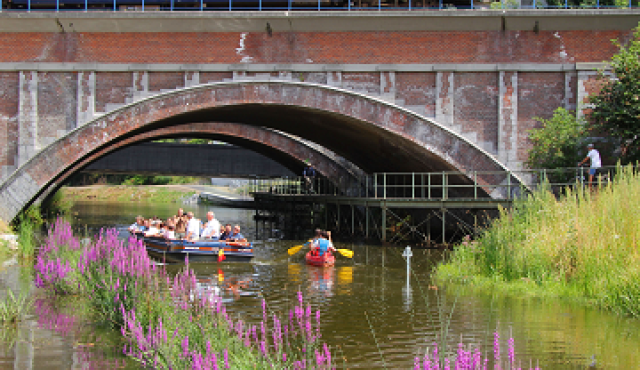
(123, 193)
(583, 246)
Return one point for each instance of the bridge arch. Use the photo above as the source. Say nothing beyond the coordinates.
(373, 134)
(288, 151)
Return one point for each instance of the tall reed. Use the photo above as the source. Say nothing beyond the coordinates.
(13, 309)
(584, 244)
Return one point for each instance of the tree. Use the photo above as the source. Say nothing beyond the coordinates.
(558, 142)
(616, 109)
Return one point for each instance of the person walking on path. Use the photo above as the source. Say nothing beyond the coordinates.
(595, 163)
(309, 174)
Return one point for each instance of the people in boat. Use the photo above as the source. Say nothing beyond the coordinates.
(227, 232)
(137, 226)
(193, 227)
(170, 230)
(236, 236)
(180, 221)
(153, 229)
(323, 244)
(211, 227)
(317, 234)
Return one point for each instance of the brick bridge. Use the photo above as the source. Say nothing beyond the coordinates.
(417, 91)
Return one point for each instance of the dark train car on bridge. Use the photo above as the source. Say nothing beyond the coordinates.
(221, 5)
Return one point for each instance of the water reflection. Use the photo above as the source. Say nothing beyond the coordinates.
(320, 281)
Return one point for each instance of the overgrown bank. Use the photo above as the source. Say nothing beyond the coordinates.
(584, 245)
(126, 193)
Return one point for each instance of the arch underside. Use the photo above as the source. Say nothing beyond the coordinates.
(374, 135)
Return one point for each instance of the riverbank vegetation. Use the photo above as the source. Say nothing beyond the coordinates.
(123, 193)
(176, 322)
(168, 322)
(583, 245)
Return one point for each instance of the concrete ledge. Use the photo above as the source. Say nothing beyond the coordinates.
(488, 67)
(321, 21)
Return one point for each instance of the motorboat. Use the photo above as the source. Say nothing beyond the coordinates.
(176, 250)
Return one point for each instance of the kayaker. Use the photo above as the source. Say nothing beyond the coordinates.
(323, 244)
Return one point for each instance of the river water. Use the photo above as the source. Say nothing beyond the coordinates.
(371, 314)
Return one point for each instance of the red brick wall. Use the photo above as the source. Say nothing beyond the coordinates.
(165, 80)
(317, 78)
(475, 104)
(9, 82)
(113, 88)
(592, 85)
(539, 94)
(312, 47)
(207, 77)
(57, 96)
(417, 89)
(362, 82)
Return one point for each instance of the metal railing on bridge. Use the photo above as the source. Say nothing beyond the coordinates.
(437, 185)
(293, 5)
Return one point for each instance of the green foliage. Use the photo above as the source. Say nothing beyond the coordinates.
(13, 308)
(55, 205)
(579, 246)
(558, 142)
(616, 110)
(505, 4)
(26, 225)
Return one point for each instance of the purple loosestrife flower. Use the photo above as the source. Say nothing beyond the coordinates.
(512, 352)
(427, 362)
(263, 348)
(225, 353)
(185, 346)
(436, 356)
(319, 359)
(496, 349)
(264, 310)
(327, 353)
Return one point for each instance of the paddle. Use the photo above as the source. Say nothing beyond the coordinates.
(345, 252)
(297, 248)
(294, 250)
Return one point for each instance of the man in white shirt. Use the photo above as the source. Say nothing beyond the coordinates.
(212, 227)
(594, 157)
(193, 227)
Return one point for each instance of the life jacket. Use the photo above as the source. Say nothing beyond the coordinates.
(323, 246)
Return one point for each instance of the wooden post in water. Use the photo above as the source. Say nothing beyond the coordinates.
(384, 222)
(444, 226)
(366, 221)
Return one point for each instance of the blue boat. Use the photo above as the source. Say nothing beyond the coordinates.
(171, 250)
